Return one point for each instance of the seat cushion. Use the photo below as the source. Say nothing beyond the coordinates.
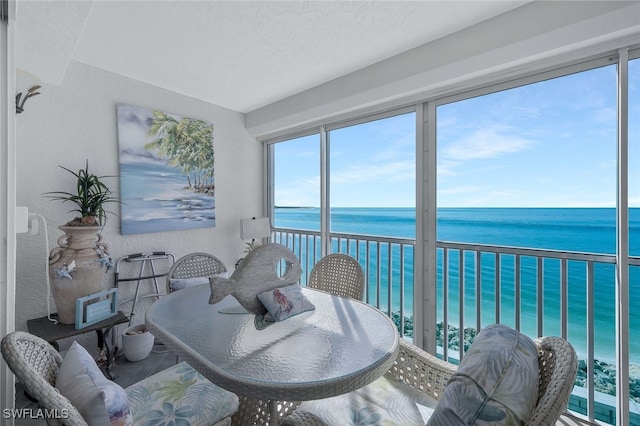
(386, 401)
(180, 395)
(99, 400)
(495, 384)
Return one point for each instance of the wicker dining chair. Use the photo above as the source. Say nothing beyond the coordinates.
(36, 364)
(193, 269)
(193, 266)
(558, 368)
(338, 274)
(429, 375)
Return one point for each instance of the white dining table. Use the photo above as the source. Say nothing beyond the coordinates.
(340, 346)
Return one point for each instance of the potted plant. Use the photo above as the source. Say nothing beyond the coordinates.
(77, 266)
(90, 196)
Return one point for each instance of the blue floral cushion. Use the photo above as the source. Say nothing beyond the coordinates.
(386, 401)
(496, 382)
(284, 302)
(179, 396)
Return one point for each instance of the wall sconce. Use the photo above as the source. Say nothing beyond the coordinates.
(25, 79)
(256, 229)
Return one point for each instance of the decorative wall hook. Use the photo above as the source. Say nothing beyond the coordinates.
(20, 100)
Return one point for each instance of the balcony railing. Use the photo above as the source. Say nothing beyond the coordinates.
(387, 263)
(540, 292)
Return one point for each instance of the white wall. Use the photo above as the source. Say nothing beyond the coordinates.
(76, 121)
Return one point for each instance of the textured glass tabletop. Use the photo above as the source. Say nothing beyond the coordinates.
(340, 346)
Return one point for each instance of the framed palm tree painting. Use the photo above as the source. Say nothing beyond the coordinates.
(166, 171)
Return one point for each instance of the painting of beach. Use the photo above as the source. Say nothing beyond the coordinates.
(166, 171)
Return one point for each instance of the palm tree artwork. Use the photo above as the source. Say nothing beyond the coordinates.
(187, 145)
(166, 171)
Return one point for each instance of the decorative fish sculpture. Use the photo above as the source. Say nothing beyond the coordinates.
(255, 274)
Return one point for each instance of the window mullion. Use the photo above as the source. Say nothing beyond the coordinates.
(622, 249)
(325, 231)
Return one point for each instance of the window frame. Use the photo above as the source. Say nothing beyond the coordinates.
(426, 176)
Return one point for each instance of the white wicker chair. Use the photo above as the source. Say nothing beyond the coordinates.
(35, 363)
(194, 265)
(558, 367)
(338, 274)
(428, 374)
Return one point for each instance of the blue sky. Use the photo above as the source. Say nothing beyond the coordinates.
(549, 144)
(372, 165)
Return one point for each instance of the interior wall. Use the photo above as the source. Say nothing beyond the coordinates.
(76, 121)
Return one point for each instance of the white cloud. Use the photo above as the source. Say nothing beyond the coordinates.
(391, 172)
(485, 143)
(460, 190)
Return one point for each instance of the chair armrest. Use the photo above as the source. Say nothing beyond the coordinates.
(421, 370)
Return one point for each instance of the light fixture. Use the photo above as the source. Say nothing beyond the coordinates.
(254, 229)
(29, 81)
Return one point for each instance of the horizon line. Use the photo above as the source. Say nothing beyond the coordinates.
(455, 207)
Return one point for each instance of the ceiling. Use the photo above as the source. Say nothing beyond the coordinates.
(241, 55)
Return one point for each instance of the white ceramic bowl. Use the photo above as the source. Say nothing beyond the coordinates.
(137, 346)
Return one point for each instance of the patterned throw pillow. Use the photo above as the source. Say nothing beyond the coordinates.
(100, 401)
(284, 302)
(496, 383)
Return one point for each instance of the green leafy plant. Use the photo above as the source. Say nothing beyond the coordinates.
(90, 196)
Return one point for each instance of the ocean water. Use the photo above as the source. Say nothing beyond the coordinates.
(590, 230)
(156, 198)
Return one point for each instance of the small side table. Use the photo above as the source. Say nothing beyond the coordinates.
(51, 332)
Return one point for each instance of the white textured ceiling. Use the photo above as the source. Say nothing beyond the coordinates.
(237, 54)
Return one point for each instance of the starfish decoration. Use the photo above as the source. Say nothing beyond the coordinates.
(105, 259)
(64, 272)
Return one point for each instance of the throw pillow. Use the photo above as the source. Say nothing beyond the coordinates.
(180, 283)
(284, 302)
(496, 382)
(100, 401)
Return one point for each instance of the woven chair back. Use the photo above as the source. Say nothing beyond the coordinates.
(558, 368)
(35, 364)
(195, 265)
(338, 274)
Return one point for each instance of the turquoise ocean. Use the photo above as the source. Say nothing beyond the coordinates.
(590, 230)
(155, 198)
